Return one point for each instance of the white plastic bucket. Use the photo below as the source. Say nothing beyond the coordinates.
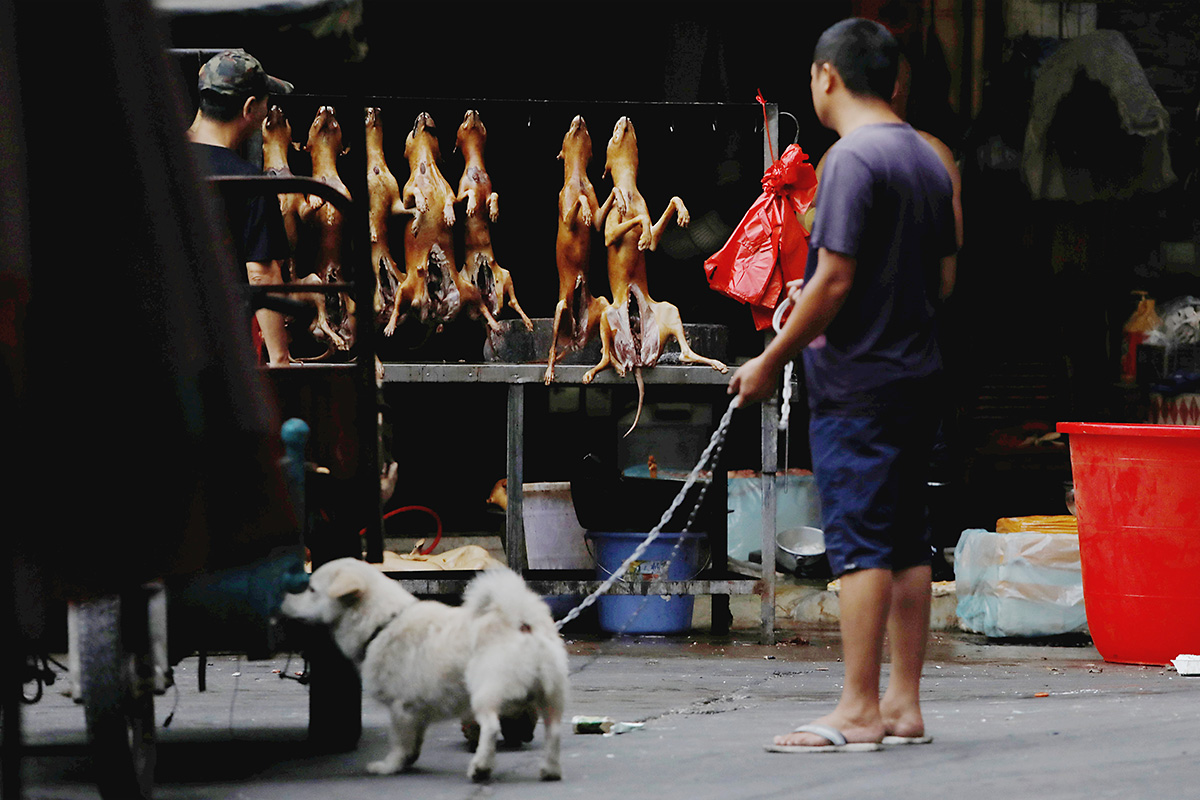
(553, 535)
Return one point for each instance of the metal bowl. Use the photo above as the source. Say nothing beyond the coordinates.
(799, 549)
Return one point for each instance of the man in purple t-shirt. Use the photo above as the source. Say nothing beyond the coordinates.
(881, 256)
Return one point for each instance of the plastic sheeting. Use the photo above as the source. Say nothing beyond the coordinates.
(1097, 130)
(1019, 584)
(797, 505)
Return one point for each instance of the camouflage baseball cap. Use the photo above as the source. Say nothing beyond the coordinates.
(239, 74)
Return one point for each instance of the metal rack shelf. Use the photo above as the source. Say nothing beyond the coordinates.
(522, 378)
(578, 583)
(565, 375)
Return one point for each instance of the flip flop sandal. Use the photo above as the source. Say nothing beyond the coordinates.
(837, 742)
(891, 741)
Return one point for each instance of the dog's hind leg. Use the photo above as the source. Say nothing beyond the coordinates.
(405, 737)
(552, 723)
(484, 759)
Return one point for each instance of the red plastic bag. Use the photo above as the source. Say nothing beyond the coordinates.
(769, 247)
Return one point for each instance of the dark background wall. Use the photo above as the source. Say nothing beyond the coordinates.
(1043, 287)
(669, 51)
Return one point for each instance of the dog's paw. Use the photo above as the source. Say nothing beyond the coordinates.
(383, 767)
(479, 774)
(551, 773)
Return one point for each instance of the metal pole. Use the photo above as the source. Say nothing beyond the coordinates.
(718, 539)
(514, 521)
(770, 440)
(771, 136)
(364, 299)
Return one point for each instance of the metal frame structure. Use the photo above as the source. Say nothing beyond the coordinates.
(519, 378)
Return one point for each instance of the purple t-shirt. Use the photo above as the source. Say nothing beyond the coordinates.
(885, 199)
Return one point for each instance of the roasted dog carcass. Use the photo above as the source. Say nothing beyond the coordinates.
(324, 146)
(480, 269)
(577, 314)
(383, 192)
(634, 329)
(277, 144)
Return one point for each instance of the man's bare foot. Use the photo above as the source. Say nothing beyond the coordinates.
(902, 721)
(854, 731)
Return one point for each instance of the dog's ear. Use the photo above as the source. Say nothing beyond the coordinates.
(346, 585)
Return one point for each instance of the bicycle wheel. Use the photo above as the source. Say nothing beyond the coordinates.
(119, 712)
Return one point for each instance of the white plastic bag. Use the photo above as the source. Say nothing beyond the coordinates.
(1180, 323)
(1019, 584)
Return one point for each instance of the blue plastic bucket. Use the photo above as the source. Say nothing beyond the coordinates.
(646, 614)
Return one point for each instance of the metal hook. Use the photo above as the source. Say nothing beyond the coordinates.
(796, 122)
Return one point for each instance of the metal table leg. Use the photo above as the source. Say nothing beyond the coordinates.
(770, 444)
(770, 431)
(514, 520)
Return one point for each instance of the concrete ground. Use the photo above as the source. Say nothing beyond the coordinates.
(1044, 720)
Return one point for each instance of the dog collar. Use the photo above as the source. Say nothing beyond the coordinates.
(363, 653)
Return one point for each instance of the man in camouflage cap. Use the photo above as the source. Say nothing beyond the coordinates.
(236, 74)
(234, 97)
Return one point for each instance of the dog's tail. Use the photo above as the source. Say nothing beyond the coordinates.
(501, 591)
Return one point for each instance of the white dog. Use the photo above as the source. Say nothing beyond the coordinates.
(498, 654)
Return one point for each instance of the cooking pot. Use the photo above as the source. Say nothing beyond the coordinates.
(801, 551)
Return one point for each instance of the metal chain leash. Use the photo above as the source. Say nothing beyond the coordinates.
(785, 404)
(710, 453)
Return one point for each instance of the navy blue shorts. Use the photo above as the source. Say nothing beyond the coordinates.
(871, 473)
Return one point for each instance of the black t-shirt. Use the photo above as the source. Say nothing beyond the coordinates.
(255, 223)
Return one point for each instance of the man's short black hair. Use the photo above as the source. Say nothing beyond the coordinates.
(865, 55)
(228, 78)
(221, 107)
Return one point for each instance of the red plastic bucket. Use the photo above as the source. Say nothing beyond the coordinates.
(1137, 498)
